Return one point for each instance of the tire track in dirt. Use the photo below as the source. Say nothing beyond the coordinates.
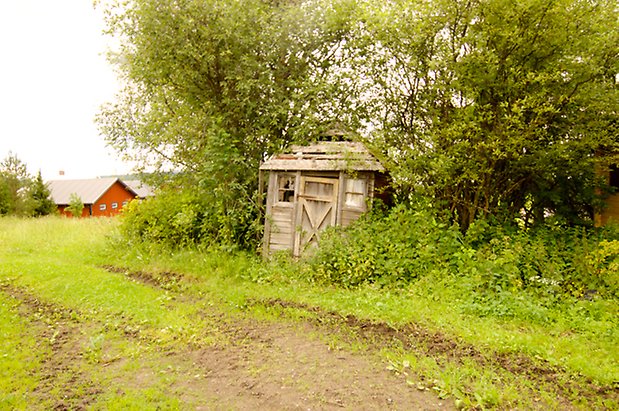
(166, 280)
(412, 337)
(444, 348)
(279, 366)
(59, 334)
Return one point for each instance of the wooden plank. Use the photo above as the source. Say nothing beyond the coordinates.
(279, 247)
(281, 213)
(322, 165)
(340, 198)
(284, 228)
(329, 146)
(281, 231)
(281, 222)
(349, 216)
(611, 212)
(281, 239)
(267, 224)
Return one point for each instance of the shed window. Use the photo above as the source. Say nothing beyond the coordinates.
(285, 188)
(114, 206)
(355, 193)
(102, 207)
(614, 176)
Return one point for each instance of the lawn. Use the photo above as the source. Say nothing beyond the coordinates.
(88, 321)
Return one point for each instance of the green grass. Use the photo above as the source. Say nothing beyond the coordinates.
(55, 265)
(582, 337)
(19, 355)
(60, 261)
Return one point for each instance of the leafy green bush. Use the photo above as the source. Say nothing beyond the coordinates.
(177, 218)
(76, 206)
(489, 264)
(387, 249)
(171, 219)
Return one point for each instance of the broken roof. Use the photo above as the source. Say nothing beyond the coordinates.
(89, 191)
(335, 155)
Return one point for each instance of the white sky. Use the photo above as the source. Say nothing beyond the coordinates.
(53, 78)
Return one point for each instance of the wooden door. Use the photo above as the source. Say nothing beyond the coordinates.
(316, 210)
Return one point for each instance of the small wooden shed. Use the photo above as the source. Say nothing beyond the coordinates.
(314, 187)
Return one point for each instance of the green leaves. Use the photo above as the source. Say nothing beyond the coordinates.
(212, 87)
(485, 97)
(491, 109)
(76, 206)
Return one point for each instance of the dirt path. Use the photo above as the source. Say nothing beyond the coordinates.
(264, 365)
(278, 367)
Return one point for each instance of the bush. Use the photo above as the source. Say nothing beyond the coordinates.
(391, 248)
(180, 218)
(490, 262)
(170, 219)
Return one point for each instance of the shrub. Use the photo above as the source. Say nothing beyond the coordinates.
(177, 218)
(490, 263)
(76, 206)
(170, 219)
(390, 248)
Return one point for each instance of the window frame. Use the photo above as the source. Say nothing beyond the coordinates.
(290, 177)
(363, 194)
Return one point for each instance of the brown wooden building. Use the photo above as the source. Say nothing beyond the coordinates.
(314, 187)
(101, 196)
(611, 211)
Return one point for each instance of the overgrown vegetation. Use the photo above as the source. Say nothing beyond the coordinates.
(95, 313)
(20, 193)
(490, 260)
(490, 110)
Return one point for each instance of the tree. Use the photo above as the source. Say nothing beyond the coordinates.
(76, 206)
(40, 197)
(494, 108)
(5, 197)
(14, 185)
(488, 108)
(213, 86)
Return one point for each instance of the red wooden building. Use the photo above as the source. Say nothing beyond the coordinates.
(101, 196)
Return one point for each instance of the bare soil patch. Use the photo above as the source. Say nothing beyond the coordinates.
(166, 280)
(265, 365)
(62, 383)
(283, 367)
(258, 344)
(444, 348)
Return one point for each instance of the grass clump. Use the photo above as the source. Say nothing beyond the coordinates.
(19, 356)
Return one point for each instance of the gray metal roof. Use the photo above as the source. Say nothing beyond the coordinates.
(89, 191)
(141, 189)
(334, 155)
